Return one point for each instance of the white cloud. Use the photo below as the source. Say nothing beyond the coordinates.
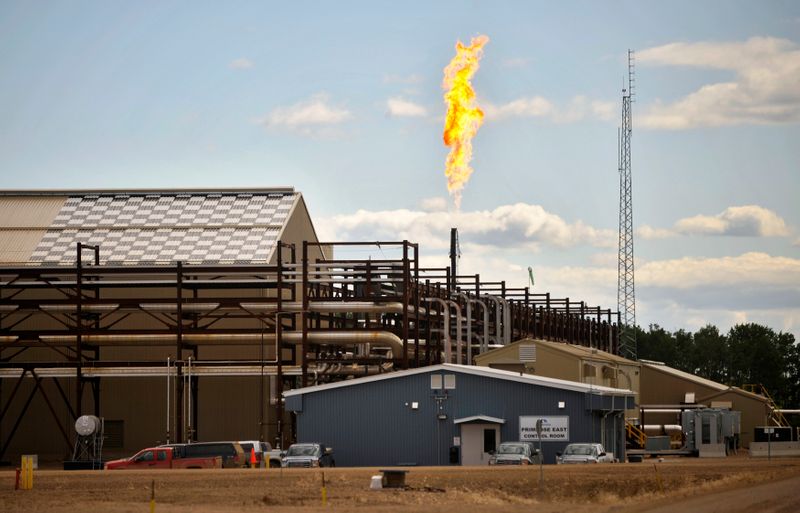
(747, 220)
(508, 226)
(743, 221)
(579, 108)
(399, 107)
(796, 243)
(749, 269)
(241, 63)
(307, 115)
(764, 90)
(647, 232)
(435, 204)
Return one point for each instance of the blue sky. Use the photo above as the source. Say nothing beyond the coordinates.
(343, 101)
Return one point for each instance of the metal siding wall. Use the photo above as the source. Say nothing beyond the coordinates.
(370, 425)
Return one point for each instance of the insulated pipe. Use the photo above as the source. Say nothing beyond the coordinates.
(332, 307)
(446, 331)
(507, 328)
(465, 297)
(446, 303)
(72, 307)
(484, 346)
(376, 338)
(498, 329)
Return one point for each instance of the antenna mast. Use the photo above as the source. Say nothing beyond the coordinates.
(626, 295)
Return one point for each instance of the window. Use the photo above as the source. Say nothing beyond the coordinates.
(436, 381)
(489, 440)
(146, 456)
(161, 455)
(449, 381)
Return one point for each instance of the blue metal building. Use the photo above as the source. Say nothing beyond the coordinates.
(454, 414)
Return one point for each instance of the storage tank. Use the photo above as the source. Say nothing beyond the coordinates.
(87, 425)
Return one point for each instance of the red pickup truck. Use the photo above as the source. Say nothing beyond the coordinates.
(162, 457)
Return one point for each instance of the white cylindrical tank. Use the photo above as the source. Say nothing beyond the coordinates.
(87, 425)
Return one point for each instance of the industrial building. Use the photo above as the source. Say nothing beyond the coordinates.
(455, 414)
(184, 314)
(663, 387)
(661, 391)
(566, 361)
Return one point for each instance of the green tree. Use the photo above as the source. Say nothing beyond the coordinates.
(758, 355)
(710, 354)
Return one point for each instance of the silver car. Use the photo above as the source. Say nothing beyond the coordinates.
(584, 453)
(515, 453)
(308, 456)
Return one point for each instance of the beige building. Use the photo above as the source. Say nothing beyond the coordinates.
(136, 228)
(657, 386)
(566, 361)
(662, 385)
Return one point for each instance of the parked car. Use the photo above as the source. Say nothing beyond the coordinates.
(162, 458)
(584, 453)
(516, 453)
(231, 452)
(308, 455)
(264, 452)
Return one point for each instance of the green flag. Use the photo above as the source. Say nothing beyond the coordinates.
(530, 275)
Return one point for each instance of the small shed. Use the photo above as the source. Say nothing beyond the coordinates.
(455, 415)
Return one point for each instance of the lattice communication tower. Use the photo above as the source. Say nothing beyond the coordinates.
(626, 294)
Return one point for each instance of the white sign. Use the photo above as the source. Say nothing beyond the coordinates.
(457, 441)
(554, 429)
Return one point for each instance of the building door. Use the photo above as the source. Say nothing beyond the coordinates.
(477, 441)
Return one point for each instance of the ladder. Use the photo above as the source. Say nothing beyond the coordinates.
(775, 414)
(634, 435)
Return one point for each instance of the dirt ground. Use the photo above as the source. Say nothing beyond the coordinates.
(734, 484)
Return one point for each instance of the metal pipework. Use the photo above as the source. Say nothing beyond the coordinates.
(466, 299)
(502, 319)
(332, 307)
(484, 346)
(498, 328)
(446, 304)
(376, 338)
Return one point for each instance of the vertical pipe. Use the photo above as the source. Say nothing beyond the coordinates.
(406, 286)
(279, 349)
(168, 392)
(416, 305)
(179, 395)
(189, 436)
(304, 356)
(453, 258)
(78, 337)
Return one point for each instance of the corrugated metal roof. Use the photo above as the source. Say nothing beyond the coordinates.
(29, 212)
(18, 245)
(221, 226)
(470, 369)
(685, 375)
(582, 352)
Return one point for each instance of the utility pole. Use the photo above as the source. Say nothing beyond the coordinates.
(626, 294)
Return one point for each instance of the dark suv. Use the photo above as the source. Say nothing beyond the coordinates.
(231, 452)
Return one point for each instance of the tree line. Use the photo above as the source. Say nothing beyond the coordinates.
(747, 354)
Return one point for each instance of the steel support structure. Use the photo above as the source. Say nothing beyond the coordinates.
(626, 291)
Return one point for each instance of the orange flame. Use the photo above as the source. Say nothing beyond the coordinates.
(464, 117)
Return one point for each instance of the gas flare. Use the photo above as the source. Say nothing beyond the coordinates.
(464, 117)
